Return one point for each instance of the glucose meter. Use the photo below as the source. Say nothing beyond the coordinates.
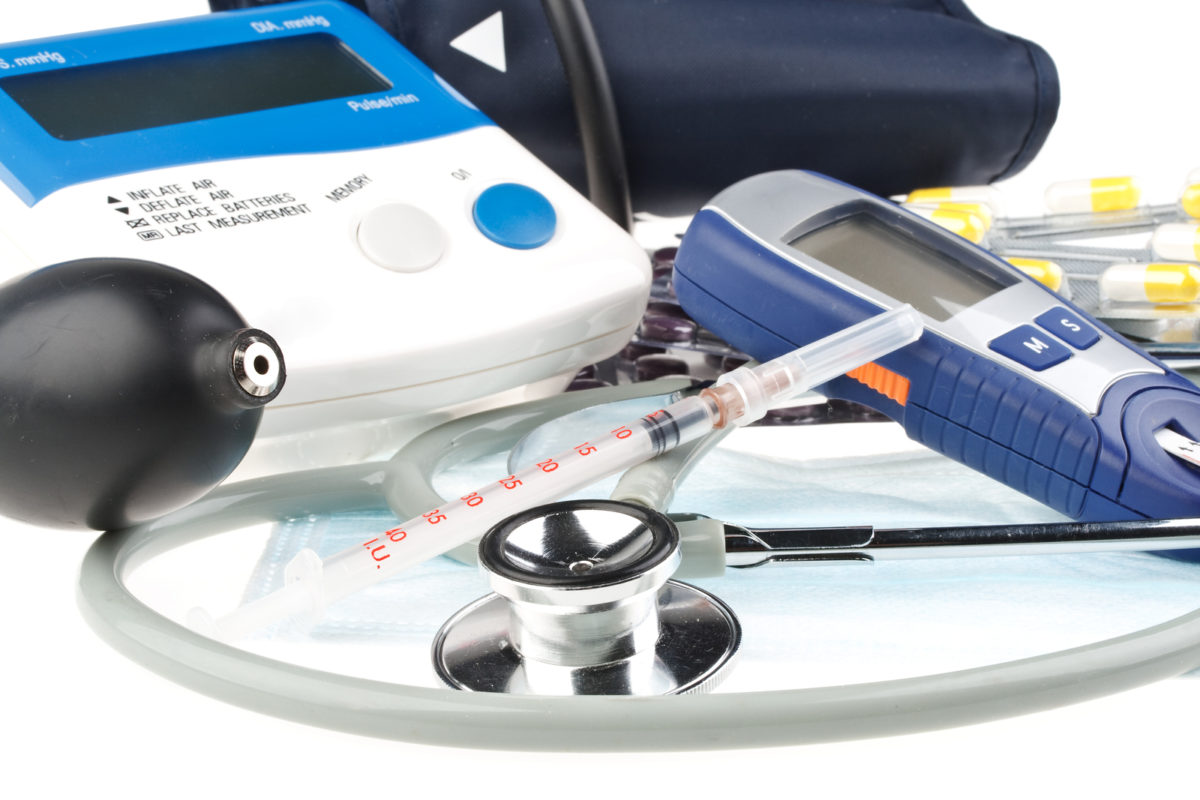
(1008, 377)
(406, 253)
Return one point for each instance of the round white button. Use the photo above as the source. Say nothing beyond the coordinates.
(401, 237)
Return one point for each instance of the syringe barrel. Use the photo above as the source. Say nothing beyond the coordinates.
(789, 375)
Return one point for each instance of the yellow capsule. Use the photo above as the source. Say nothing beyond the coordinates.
(1177, 241)
(1190, 200)
(986, 195)
(964, 223)
(980, 210)
(1047, 273)
(1094, 195)
(1151, 283)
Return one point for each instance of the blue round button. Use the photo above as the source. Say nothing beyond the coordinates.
(515, 216)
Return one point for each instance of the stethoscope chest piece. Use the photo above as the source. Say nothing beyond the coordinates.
(582, 605)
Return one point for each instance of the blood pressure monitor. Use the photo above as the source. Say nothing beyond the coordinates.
(405, 252)
(1008, 378)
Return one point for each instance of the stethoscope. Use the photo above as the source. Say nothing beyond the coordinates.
(630, 597)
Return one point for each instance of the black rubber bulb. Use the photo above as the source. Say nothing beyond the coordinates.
(127, 389)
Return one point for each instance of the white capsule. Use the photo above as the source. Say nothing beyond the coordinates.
(1177, 241)
(1093, 195)
(1158, 283)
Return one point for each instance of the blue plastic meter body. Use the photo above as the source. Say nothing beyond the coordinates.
(1008, 378)
(307, 77)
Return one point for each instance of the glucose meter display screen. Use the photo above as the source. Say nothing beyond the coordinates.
(185, 86)
(893, 262)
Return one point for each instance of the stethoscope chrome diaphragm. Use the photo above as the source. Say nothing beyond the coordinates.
(582, 605)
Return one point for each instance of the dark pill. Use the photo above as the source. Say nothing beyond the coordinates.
(648, 368)
(723, 362)
(667, 308)
(664, 328)
(664, 257)
(581, 384)
(633, 351)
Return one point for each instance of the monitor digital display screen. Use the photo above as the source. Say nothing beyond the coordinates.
(893, 261)
(184, 86)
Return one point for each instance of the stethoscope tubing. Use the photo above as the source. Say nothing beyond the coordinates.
(465, 719)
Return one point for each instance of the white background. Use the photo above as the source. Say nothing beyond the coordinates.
(80, 718)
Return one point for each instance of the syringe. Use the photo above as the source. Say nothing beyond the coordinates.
(739, 397)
